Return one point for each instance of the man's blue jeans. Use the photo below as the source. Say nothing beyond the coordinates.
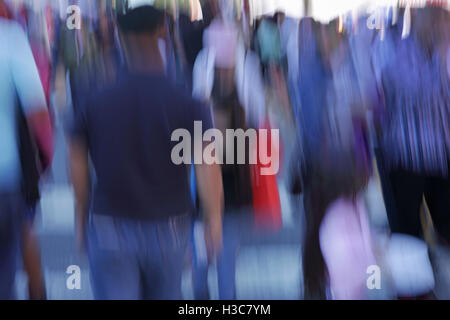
(132, 260)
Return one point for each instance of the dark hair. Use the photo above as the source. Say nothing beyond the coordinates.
(144, 19)
(324, 183)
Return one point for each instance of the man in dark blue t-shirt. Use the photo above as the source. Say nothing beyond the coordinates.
(139, 221)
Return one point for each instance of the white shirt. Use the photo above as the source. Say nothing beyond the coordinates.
(248, 79)
(19, 77)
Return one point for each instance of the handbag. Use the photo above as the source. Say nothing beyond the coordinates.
(266, 198)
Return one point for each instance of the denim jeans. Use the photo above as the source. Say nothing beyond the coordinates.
(12, 211)
(131, 260)
(226, 262)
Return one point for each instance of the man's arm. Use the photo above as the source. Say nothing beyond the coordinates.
(79, 169)
(209, 183)
(210, 188)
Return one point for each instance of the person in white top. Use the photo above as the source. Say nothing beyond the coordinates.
(19, 78)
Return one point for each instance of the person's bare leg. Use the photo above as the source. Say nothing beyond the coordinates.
(32, 263)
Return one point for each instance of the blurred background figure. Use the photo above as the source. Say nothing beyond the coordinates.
(217, 64)
(415, 133)
(26, 140)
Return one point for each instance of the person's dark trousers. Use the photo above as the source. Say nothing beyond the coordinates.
(386, 187)
(408, 190)
(134, 260)
(12, 210)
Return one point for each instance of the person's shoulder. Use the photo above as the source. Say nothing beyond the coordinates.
(106, 95)
(183, 98)
(170, 90)
(336, 213)
(11, 30)
(6, 24)
(182, 102)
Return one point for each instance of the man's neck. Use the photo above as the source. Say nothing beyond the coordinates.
(144, 57)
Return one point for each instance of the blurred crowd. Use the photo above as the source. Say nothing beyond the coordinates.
(361, 103)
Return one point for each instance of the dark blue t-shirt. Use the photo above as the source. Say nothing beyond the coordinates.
(128, 128)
